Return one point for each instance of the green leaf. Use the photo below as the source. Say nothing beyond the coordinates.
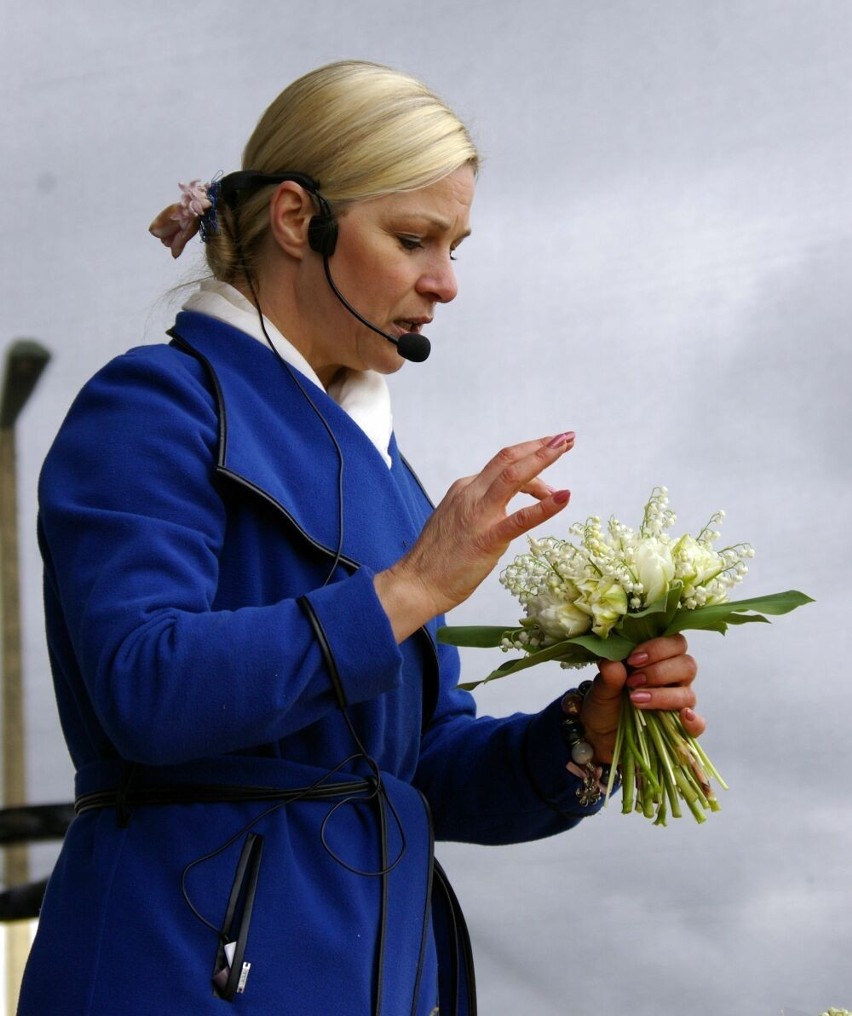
(746, 618)
(720, 626)
(562, 652)
(474, 636)
(641, 625)
(660, 618)
(708, 617)
(638, 629)
(613, 647)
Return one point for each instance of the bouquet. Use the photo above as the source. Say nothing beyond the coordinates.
(598, 599)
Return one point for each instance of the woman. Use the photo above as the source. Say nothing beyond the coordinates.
(243, 583)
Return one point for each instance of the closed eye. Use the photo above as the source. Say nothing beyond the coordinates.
(415, 243)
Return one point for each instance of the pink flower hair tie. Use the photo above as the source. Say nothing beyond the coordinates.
(194, 202)
(177, 224)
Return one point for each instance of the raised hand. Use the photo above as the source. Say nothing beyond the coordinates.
(469, 531)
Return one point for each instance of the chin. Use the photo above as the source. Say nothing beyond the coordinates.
(387, 368)
(382, 357)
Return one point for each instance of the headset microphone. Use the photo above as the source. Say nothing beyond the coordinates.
(411, 346)
(322, 237)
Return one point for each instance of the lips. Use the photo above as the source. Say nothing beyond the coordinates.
(412, 324)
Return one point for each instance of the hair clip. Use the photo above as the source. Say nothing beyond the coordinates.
(177, 224)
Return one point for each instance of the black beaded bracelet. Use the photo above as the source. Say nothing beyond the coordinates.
(582, 753)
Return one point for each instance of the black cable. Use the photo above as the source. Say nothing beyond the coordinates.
(294, 375)
(297, 796)
(377, 793)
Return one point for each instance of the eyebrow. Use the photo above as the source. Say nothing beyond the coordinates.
(436, 220)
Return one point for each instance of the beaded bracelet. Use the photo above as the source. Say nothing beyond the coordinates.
(582, 753)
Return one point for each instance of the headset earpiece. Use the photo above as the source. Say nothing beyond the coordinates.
(322, 229)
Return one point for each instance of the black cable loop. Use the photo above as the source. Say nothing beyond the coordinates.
(299, 796)
(385, 804)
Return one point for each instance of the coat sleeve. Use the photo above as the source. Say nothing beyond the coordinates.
(132, 523)
(495, 780)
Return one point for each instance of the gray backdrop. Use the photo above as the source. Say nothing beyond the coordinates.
(660, 261)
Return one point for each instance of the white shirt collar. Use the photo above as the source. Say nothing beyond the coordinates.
(362, 395)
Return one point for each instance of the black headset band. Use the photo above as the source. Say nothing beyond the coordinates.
(236, 187)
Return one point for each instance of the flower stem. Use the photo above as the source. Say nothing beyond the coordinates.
(661, 765)
(665, 763)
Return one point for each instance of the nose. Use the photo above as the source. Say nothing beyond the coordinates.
(439, 281)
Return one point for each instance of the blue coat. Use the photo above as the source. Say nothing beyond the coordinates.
(257, 759)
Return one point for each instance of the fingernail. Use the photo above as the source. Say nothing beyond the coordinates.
(637, 680)
(640, 697)
(637, 659)
(689, 714)
(561, 439)
(562, 496)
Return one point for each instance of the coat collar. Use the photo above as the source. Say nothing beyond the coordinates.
(283, 437)
(363, 395)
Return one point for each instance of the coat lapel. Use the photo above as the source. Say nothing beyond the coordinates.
(285, 438)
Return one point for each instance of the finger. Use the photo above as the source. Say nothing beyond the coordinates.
(538, 489)
(528, 517)
(653, 650)
(692, 722)
(602, 708)
(507, 457)
(608, 684)
(508, 473)
(679, 670)
(672, 698)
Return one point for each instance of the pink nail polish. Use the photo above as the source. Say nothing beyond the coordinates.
(558, 441)
(562, 496)
(637, 659)
(640, 697)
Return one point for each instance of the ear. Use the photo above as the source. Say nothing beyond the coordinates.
(291, 209)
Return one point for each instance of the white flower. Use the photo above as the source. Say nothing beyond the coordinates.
(695, 563)
(557, 615)
(654, 567)
(708, 574)
(568, 589)
(657, 516)
(607, 602)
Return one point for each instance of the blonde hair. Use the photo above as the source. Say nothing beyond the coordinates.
(360, 130)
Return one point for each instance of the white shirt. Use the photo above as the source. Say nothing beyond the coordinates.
(362, 394)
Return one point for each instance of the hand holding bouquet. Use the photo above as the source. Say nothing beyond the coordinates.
(606, 594)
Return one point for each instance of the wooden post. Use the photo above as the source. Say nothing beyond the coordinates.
(25, 361)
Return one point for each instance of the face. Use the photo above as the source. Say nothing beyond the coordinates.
(394, 264)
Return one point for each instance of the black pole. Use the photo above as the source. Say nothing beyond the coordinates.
(25, 361)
